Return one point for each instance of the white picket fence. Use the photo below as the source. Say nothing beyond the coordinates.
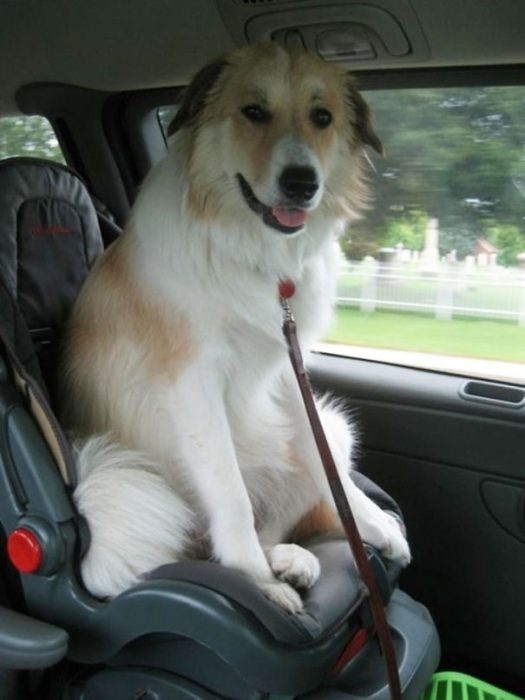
(444, 289)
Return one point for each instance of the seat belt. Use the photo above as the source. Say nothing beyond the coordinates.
(43, 414)
(286, 291)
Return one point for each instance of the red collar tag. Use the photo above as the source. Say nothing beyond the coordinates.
(286, 289)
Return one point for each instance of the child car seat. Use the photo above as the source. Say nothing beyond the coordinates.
(189, 629)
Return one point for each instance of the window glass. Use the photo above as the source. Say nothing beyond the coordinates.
(28, 136)
(165, 115)
(434, 273)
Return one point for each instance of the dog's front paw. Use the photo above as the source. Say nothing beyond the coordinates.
(294, 565)
(282, 595)
(392, 542)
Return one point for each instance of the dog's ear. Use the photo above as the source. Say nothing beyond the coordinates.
(194, 96)
(363, 121)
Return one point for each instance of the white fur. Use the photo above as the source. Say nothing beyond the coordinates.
(289, 152)
(294, 565)
(223, 459)
(128, 506)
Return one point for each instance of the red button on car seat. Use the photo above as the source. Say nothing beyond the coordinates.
(24, 550)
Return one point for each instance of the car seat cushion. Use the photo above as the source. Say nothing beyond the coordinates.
(334, 598)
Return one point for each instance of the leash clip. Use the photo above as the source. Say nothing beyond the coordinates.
(286, 291)
(287, 311)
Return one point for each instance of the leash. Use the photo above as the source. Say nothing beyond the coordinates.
(286, 291)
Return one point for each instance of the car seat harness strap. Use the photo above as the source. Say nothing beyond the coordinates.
(286, 291)
(43, 414)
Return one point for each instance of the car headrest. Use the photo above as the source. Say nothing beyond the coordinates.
(49, 238)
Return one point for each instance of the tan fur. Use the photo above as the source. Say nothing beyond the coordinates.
(201, 203)
(288, 84)
(166, 335)
(111, 313)
(320, 519)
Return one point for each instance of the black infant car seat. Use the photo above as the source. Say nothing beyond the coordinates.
(191, 629)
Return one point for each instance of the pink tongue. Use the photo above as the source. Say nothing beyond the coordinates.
(290, 217)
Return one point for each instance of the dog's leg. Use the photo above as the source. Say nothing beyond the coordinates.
(377, 527)
(285, 505)
(294, 564)
(206, 453)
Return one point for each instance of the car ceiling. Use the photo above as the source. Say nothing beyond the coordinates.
(131, 44)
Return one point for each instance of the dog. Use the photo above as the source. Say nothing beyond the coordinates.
(177, 381)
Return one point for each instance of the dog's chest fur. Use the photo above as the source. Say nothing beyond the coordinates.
(225, 281)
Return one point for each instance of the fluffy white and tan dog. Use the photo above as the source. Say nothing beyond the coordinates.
(175, 356)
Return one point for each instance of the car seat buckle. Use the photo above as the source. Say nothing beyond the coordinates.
(352, 649)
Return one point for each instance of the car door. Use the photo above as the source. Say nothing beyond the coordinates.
(451, 451)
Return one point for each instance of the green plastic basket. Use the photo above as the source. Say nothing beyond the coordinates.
(449, 685)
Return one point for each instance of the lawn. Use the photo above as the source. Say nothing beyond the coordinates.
(494, 340)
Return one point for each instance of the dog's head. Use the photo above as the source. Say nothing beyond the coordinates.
(277, 133)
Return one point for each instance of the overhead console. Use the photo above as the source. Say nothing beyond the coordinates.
(362, 34)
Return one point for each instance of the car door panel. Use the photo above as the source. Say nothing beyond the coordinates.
(457, 469)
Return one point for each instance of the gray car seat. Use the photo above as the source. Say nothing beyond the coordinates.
(188, 630)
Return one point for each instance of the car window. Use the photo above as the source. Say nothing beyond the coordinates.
(28, 136)
(433, 275)
(165, 115)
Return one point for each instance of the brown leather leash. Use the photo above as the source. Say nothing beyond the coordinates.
(286, 291)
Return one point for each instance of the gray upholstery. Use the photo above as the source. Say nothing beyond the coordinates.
(333, 599)
(15, 330)
(49, 239)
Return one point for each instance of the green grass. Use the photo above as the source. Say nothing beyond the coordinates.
(494, 340)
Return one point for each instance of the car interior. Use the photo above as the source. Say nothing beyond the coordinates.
(444, 450)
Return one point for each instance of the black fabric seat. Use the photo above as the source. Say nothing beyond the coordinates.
(209, 629)
(49, 240)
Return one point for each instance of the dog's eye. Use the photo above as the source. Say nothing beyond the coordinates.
(320, 117)
(256, 114)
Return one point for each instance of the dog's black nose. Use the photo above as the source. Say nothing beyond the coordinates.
(299, 183)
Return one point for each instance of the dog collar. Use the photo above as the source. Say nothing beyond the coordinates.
(286, 289)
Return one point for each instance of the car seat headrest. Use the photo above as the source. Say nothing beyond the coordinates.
(49, 238)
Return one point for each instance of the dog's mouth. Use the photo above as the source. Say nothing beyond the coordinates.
(280, 218)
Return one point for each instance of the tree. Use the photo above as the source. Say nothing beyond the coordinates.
(28, 136)
(508, 240)
(356, 242)
(409, 230)
(457, 154)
